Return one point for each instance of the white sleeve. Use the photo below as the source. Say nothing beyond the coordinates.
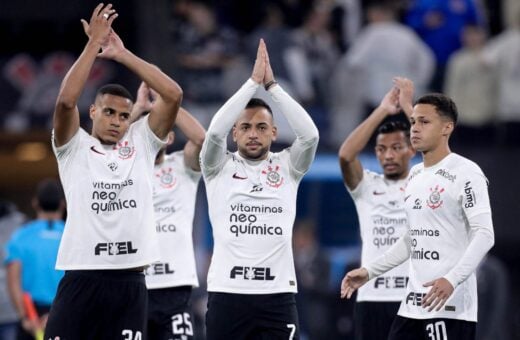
(153, 142)
(477, 210)
(394, 256)
(303, 149)
(63, 152)
(359, 191)
(214, 148)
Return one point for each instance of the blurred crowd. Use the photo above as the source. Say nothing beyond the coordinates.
(336, 57)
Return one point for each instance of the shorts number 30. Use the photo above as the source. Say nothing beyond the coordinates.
(437, 331)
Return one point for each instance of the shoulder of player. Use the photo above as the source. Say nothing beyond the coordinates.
(79, 138)
(372, 176)
(415, 170)
(464, 167)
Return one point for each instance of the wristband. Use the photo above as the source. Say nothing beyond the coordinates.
(270, 84)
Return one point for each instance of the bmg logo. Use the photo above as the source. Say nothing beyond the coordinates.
(251, 273)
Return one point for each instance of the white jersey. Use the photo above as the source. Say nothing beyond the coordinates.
(382, 221)
(439, 201)
(252, 206)
(108, 188)
(175, 191)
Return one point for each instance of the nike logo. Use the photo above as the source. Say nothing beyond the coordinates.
(235, 176)
(407, 197)
(93, 149)
(378, 193)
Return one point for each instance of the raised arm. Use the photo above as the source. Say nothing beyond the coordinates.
(66, 114)
(406, 93)
(169, 93)
(350, 165)
(304, 147)
(195, 133)
(215, 146)
(185, 121)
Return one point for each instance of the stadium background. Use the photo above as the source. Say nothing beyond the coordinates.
(33, 32)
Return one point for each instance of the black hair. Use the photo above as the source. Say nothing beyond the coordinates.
(49, 195)
(115, 90)
(443, 104)
(395, 126)
(257, 102)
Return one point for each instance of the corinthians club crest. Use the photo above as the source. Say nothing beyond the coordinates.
(167, 178)
(435, 201)
(124, 150)
(273, 178)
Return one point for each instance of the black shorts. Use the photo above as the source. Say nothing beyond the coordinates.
(437, 329)
(99, 304)
(169, 314)
(248, 317)
(372, 320)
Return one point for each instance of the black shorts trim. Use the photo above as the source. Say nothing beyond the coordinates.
(258, 316)
(438, 328)
(99, 304)
(169, 314)
(373, 320)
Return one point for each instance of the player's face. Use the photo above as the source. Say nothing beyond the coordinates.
(394, 153)
(254, 131)
(428, 128)
(110, 118)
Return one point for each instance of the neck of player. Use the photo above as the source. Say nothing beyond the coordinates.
(434, 156)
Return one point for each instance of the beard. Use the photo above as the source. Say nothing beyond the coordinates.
(394, 175)
(258, 154)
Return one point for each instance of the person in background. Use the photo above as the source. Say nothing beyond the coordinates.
(10, 220)
(31, 256)
(176, 178)
(379, 200)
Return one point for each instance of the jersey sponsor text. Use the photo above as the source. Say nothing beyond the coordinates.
(251, 273)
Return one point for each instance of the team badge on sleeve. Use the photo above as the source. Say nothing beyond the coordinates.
(273, 178)
(435, 200)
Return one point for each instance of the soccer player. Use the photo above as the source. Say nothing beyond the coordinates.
(175, 181)
(252, 206)
(31, 255)
(109, 235)
(379, 202)
(450, 231)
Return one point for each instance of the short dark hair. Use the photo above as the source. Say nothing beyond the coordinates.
(49, 195)
(257, 102)
(394, 126)
(115, 90)
(443, 104)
